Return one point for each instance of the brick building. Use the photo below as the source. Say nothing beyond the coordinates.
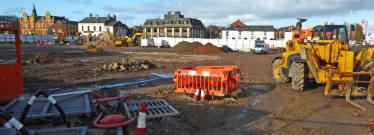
(6, 21)
(43, 25)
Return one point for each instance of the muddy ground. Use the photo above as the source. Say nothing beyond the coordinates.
(262, 107)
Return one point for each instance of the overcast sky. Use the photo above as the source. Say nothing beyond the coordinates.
(279, 13)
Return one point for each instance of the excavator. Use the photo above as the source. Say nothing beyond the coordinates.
(327, 59)
(122, 41)
(117, 40)
(61, 37)
(134, 40)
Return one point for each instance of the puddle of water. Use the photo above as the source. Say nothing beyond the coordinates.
(12, 50)
(8, 60)
(169, 75)
(84, 61)
(240, 116)
(129, 83)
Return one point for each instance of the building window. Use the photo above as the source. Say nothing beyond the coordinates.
(177, 30)
(48, 24)
(53, 31)
(60, 31)
(150, 23)
(169, 30)
(148, 30)
(154, 30)
(82, 28)
(94, 28)
(252, 33)
(265, 33)
(245, 38)
(99, 28)
(184, 30)
(240, 33)
(88, 28)
(233, 37)
(25, 24)
(107, 30)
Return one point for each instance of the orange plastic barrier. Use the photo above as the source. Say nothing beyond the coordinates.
(222, 80)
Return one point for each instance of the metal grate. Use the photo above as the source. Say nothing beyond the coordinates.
(42, 107)
(60, 131)
(154, 108)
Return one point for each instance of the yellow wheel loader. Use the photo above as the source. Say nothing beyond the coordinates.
(327, 59)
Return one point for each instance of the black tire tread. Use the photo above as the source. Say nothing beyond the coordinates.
(298, 73)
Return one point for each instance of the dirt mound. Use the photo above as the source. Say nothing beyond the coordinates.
(208, 48)
(225, 48)
(277, 50)
(185, 47)
(100, 44)
(45, 59)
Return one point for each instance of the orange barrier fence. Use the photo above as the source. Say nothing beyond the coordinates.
(220, 80)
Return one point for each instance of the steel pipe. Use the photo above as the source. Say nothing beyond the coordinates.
(19, 126)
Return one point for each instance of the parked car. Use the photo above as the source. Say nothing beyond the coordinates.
(147, 43)
(260, 47)
(162, 43)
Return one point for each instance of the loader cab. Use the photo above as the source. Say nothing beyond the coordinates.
(118, 38)
(330, 32)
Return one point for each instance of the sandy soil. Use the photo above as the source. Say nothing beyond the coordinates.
(262, 107)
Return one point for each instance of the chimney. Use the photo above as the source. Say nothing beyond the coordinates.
(114, 16)
(67, 19)
(63, 17)
(97, 17)
(108, 17)
(90, 15)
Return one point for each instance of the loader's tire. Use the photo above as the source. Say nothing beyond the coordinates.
(298, 72)
(277, 72)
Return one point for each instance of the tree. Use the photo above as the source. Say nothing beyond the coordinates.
(15, 21)
(210, 32)
(358, 32)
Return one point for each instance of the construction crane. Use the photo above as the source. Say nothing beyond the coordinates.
(327, 59)
(61, 37)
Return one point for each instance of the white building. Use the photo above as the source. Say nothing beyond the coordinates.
(92, 26)
(249, 32)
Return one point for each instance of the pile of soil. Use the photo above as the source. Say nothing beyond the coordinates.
(225, 48)
(43, 59)
(208, 48)
(277, 50)
(100, 44)
(185, 47)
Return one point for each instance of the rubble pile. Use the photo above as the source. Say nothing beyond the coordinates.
(128, 64)
(100, 44)
(43, 59)
(225, 48)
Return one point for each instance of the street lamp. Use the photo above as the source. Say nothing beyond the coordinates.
(133, 28)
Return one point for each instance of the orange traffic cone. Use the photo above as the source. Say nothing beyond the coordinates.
(202, 98)
(196, 96)
(141, 125)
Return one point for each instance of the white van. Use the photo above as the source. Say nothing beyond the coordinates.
(162, 43)
(147, 42)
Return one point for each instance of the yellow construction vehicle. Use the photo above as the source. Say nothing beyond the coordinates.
(117, 40)
(135, 39)
(61, 37)
(327, 59)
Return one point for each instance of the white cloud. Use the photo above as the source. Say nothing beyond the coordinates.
(211, 11)
(17, 9)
